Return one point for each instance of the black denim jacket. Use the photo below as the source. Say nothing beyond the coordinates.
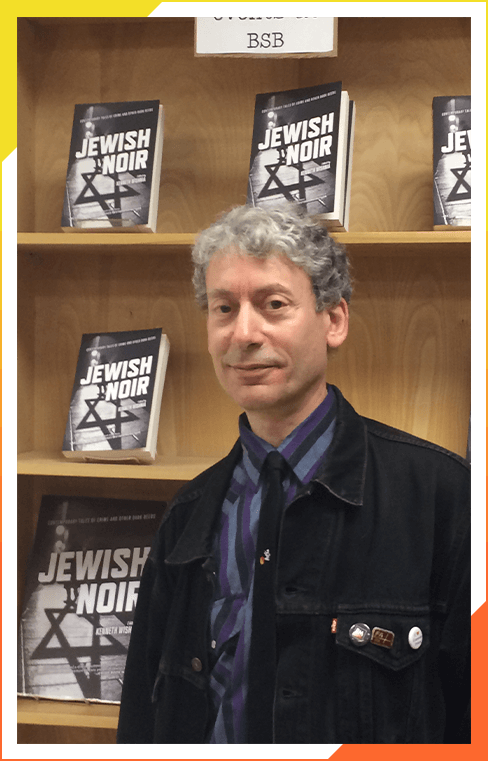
(380, 538)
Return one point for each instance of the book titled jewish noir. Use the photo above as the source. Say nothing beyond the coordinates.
(114, 167)
(301, 150)
(116, 398)
(452, 161)
(81, 590)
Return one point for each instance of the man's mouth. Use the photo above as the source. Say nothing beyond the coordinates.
(248, 367)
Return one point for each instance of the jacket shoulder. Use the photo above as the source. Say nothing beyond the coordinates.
(387, 433)
(194, 488)
(193, 508)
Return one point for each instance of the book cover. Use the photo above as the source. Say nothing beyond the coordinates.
(80, 593)
(116, 397)
(451, 116)
(299, 150)
(114, 167)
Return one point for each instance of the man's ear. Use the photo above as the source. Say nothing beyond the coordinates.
(338, 324)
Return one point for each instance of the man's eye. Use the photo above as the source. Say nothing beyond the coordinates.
(275, 304)
(223, 308)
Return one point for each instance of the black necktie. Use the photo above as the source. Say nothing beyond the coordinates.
(262, 658)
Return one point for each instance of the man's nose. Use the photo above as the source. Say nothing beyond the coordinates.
(247, 325)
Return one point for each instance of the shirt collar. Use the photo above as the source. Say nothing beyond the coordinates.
(294, 447)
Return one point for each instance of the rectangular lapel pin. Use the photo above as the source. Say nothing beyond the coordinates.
(382, 637)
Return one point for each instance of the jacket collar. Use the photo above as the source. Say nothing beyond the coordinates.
(344, 471)
(209, 489)
(343, 475)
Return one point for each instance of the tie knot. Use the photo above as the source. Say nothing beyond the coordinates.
(276, 461)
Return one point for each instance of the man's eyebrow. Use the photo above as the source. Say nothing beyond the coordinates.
(265, 290)
(219, 293)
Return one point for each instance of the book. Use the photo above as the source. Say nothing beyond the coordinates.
(451, 118)
(114, 167)
(80, 593)
(301, 144)
(116, 397)
(348, 170)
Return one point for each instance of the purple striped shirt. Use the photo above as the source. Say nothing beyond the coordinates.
(234, 549)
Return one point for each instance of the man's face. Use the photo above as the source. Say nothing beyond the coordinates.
(267, 342)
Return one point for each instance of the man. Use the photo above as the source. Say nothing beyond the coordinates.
(338, 611)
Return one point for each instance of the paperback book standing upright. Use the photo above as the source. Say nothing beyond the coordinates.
(114, 167)
(302, 151)
(452, 162)
(116, 397)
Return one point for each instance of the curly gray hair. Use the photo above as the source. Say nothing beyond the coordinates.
(290, 231)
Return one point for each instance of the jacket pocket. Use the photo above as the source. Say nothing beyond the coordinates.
(190, 673)
(383, 685)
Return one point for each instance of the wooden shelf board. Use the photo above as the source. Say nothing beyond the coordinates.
(425, 237)
(364, 243)
(105, 243)
(415, 243)
(67, 713)
(164, 469)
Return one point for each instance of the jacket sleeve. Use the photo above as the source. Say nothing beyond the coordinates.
(455, 651)
(137, 709)
(136, 719)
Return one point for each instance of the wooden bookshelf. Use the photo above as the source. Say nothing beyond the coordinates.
(163, 469)
(67, 713)
(406, 361)
(419, 243)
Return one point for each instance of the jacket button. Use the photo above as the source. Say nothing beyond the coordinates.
(196, 664)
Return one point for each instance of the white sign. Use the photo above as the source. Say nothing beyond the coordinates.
(270, 36)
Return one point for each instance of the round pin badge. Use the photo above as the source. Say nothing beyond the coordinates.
(415, 637)
(360, 634)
